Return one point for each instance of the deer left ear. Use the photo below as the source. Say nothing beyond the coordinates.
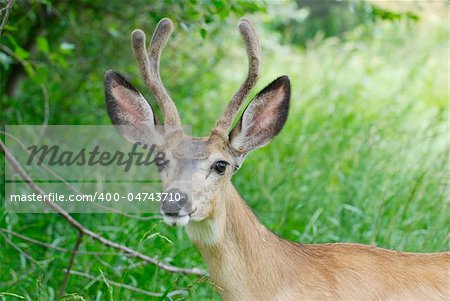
(129, 111)
(263, 118)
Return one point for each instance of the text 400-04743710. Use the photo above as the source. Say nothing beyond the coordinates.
(139, 196)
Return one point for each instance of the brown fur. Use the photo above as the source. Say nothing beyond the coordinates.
(248, 262)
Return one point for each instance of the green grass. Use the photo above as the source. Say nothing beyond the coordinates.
(363, 158)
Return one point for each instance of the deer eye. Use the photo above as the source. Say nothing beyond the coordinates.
(161, 163)
(220, 167)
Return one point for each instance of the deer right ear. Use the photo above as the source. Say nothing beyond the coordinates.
(129, 110)
(263, 118)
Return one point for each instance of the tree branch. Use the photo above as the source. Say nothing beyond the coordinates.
(167, 267)
(62, 289)
(8, 8)
(60, 249)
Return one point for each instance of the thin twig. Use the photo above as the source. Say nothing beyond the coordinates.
(122, 268)
(25, 254)
(44, 91)
(33, 262)
(60, 249)
(167, 267)
(125, 286)
(12, 54)
(62, 289)
(9, 6)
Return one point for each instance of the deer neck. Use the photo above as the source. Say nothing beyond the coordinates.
(236, 246)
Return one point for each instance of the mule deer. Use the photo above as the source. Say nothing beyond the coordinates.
(245, 259)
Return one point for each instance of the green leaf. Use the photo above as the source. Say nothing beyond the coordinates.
(21, 53)
(12, 295)
(112, 30)
(203, 33)
(42, 45)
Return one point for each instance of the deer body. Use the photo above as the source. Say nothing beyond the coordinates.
(246, 260)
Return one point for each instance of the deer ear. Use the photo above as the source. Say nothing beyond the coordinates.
(129, 110)
(263, 118)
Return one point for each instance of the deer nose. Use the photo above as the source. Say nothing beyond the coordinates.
(174, 202)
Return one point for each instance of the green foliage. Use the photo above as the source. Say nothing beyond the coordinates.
(304, 19)
(363, 157)
(54, 43)
(384, 14)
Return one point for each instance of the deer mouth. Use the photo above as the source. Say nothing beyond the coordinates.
(178, 220)
(192, 212)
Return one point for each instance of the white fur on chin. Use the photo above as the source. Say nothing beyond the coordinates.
(179, 221)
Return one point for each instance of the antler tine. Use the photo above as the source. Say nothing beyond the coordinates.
(250, 39)
(149, 67)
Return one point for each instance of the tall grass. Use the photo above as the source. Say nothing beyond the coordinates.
(364, 156)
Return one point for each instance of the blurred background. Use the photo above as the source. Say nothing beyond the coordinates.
(362, 158)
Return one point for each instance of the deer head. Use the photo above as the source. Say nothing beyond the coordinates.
(204, 176)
